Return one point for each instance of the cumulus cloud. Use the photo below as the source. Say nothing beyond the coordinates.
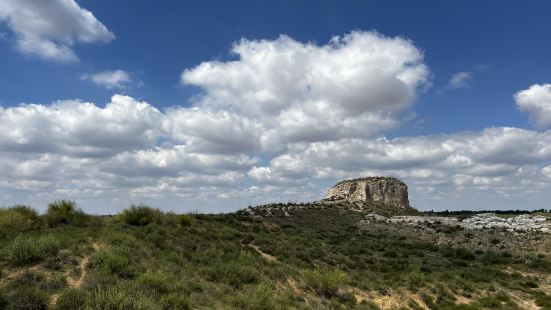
(354, 85)
(460, 80)
(80, 128)
(48, 29)
(495, 159)
(118, 79)
(280, 122)
(536, 101)
(129, 151)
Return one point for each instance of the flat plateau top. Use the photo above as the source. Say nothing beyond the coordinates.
(369, 179)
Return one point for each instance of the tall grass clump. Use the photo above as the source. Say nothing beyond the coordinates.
(12, 222)
(140, 215)
(25, 297)
(326, 282)
(64, 212)
(415, 278)
(71, 298)
(29, 249)
(120, 297)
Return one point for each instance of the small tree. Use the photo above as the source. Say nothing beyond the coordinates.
(140, 215)
(64, 212)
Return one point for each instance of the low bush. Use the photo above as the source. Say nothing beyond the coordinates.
(23, 298)
(16, 219)
(260, 297)
(64, 212)
(156, 282)
(543, 300)
(71, 299)
(12, 222)
(415, 278)
(120, 298)
(29, 249)
(326, 282)
(185, 219)
(114, 263)
(140, 216)
(233, 272)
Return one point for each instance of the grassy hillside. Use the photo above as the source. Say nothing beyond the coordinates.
(314, 259)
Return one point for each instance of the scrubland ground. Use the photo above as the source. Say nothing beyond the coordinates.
(313, 259)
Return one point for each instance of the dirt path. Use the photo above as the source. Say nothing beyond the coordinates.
(8, 275)
(76, 282)
(265, 255)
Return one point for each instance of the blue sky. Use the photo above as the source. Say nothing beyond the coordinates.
(494, 49)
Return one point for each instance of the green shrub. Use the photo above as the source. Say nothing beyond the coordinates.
(12, 222)
(185, 219)
(176, 301)
(232, 272)
(24, 298)
(64, 212)
(415, 278)
(543, 300)
(114, 263)
(155, 282)
(326, 282)
(26, 211)
(28, 249)
(367, 305)
(260, 297)
(71, 299)
(120, 298)
(140, 216)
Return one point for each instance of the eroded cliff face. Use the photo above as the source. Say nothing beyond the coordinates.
(389, 191)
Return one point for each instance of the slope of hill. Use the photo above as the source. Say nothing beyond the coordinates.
(314, 259)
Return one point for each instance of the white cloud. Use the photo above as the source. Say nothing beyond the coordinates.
(536, 101)
(48, 29)
(460, 80)
(495, 160)
(207, 131)
(130, 152)
(281, 122)
(118, 79)
(76, 127)
(355, 85)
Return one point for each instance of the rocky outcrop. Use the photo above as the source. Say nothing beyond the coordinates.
(389, 191)
(381, 195)
(521, 223)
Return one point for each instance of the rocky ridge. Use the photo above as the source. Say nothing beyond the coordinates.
(385, 200)
(386, 190)
(521, 223)
(383, 195)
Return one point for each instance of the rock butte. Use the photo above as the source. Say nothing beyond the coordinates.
(389, 191)
(383, 195)
(385, 199)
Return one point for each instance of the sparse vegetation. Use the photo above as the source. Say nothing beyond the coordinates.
(64, 212)
(147, 259)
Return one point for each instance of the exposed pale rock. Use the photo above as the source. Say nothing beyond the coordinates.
(389, 191)
(521, 223)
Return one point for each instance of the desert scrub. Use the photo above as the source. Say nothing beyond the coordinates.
(185, 219)
(64, 212)
(415, 278)
(71, 298)
(17, 219)
(140, 216)
(121, 297)
(25, 249)
(261, 297)
(326, 282)
(23, 298)
(234, 272)
(115, 263)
